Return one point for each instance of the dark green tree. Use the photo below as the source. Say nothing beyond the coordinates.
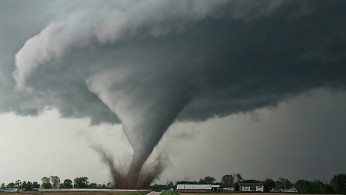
(109, 185)
(313, 187)
(67, 184)
(46, 183)
(28, 186)
(3, 186)
(338, 183)
(207, 180)
(45, 180)
(93, 185)
(236, 186)
(23, 185)
(319, 187)
(269, 184)
(279, 185)
(10, 185)
(227, 181)
(239, 178)
(304, 187)
(35, 185)
(286, 184)
(81, 182)
(18, 184)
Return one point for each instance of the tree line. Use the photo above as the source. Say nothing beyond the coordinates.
(53, 182)
(336, 185)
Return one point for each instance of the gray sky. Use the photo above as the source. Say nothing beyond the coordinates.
(250, 87)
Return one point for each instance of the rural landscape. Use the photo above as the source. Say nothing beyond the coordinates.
(228, 184)
(169, 97)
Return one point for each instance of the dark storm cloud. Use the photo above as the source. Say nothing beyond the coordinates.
(275, 57)
(29, 18)
(243, 64)
(146, 63)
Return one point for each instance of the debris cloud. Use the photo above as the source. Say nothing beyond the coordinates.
(123, 180)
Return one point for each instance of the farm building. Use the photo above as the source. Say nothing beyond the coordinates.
(251, 187)
(197, 187)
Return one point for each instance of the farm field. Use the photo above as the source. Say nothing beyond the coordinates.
(221, 193)
(73, 193)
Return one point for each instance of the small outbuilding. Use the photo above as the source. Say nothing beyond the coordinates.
(251, 187)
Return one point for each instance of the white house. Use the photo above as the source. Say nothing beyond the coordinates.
(251, 187)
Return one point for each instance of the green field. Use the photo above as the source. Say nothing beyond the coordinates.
(167, 192)
(237, 193)
(75, 193)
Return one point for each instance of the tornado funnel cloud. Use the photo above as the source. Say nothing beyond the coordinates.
(146, 108)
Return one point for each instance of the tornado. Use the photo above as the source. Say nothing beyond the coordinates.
(146, 107)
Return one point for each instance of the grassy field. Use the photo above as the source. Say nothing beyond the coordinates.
(221, 193)
(73, 193)
(167, 192)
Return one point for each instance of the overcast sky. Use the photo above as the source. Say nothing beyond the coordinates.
(217, 87)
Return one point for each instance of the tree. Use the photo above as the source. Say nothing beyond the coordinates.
(3, 186)
(109, 185)
(35, 185)
(269, 184)
(236, 186)
(18, 184)
(227, 181)
(286, 184)
(67, 184)
(207, 180)
(279, 184)
(327, 189)
(10, 185)
(46, 183)
(28, 186)
(23, 185)
(170, 184)
(319, 187)
(304, 187)
(81, 182)
(338, 183)
(186, 182)
(55, 182)
(239, 178)
(45, 180)
(93, 185)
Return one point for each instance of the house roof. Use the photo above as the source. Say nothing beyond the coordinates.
(250, 184)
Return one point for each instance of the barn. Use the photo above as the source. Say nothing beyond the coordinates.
(197, 187)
